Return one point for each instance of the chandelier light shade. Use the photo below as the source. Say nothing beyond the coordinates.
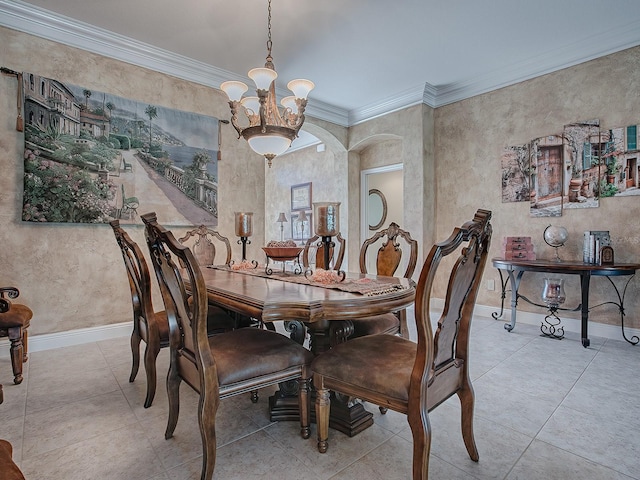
(268, 130)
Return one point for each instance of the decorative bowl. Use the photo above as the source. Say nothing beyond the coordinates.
(282, 254)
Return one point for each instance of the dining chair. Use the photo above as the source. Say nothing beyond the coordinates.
(222, 365)
(314, 252)
(415, 378)
(202, 241)
(149, 326)
(387, 261)
(15, 319)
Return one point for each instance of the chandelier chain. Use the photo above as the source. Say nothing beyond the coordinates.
(269, 42)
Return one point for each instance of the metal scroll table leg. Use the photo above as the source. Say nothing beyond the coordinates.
(503, 294)
(515, 285)
(584, 287)
(634, 340)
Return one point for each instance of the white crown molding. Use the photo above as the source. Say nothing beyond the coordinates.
(408, 98)
(42, 23)
(606, 43)
(30, 19)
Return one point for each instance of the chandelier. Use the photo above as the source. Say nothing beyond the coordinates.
(269, 131)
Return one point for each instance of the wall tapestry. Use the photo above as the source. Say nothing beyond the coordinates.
(574, 169)
(91, 157)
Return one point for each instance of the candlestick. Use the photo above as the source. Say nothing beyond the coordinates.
(244, 226)
(326, 218)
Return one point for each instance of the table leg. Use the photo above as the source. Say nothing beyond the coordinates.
(515, 285)
(585, 278)
(347, 414)
(503, 295)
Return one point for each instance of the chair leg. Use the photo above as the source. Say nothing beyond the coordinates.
(17, 354)
(303, 402)
(323, 404)
(135, 355)
(150, 356)
(173, 394)
(421, 432)
(207, 409)
(404, 329)
(25, 345)
(467, 401)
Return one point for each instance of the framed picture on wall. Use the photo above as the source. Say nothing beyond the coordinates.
(301, 223)
(301, 197)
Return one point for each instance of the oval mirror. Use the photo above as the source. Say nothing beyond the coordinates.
(376, 209)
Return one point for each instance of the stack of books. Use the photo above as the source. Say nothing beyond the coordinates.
(514, 248)
(594, 240)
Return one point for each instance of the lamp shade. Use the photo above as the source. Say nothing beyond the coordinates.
(262, 77)
(269, 144)
(234, 90)
(302, 216)
(300, 87)
(282, 217)
(251, 103)
(289, 102)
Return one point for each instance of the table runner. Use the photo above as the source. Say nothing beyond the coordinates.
(363, 286)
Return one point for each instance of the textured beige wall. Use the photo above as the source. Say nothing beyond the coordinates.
(73, 276)
(470, 136)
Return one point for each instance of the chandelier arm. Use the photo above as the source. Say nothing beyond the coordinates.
(233, 105)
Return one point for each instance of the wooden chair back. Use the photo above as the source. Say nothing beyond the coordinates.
(139, 279)
(202, 241)
(148, 325)
(186, 309)
(314, 243)
(449, 346)
(389, 254)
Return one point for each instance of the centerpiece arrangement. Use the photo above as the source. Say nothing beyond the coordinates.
(283, 251)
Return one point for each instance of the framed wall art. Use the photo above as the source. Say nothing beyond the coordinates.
(301, 197)
(92, 157)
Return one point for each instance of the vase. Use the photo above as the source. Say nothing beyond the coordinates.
(553, 292)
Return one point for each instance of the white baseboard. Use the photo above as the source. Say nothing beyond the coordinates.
(49, 341)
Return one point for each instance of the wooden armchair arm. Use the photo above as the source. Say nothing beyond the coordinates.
(5, 294)
(10, 292)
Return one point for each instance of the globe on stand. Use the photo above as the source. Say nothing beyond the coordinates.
(555, 237)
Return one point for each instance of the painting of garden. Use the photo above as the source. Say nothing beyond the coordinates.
(91, 157)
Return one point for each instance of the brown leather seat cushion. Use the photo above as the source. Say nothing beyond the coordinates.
(388, 360)
(17, 316)
(386, 323)
(8, 469)
(263, 352)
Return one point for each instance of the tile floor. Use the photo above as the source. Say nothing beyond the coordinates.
(545, 410)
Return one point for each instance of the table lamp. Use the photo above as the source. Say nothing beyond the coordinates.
(282, 219)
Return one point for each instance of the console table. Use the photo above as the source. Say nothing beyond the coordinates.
(515, 270)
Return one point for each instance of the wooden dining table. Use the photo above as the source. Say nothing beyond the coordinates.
(325, 310)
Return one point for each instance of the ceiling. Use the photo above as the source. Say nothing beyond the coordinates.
(366, 57)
